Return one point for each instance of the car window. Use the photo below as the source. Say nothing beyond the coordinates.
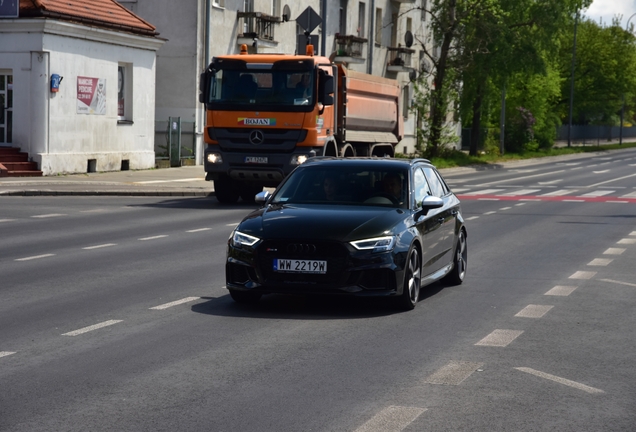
(437, 188)
(421, 186)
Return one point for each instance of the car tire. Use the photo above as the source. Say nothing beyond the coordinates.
(225, 190)
(412, 280)
(460, 261)
(245, 297)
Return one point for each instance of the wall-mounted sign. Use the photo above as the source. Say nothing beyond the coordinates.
(91, 95)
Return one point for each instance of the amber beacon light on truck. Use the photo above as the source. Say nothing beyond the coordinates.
(268, 113)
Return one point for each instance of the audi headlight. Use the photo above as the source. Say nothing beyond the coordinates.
(376, 244)
(241, 239)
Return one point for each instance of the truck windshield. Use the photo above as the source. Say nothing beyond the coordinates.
(276, 88)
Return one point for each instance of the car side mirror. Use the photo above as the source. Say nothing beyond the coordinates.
(262, 197)
(429, 202)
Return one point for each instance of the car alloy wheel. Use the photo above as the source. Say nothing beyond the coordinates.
(460, 262)
(412, 280)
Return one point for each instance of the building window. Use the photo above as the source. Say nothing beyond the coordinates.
(124, 92)
(361, 19)
(378, 26)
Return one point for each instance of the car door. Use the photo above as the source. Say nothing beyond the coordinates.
(446, 215)
(428, 226)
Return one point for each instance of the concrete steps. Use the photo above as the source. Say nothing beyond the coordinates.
(14, 163)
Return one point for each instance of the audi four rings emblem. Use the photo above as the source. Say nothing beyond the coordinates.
(301, 248)
(257, 137)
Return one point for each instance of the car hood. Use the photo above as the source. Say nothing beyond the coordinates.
(341, 223)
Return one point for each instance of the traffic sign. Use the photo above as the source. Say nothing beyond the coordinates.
(309, 19)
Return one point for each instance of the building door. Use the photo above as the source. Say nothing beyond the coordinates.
(6, 108)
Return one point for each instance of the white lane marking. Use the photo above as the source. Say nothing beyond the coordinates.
(35, 257)
(100, 246)
(597, 193)
(93, 211)
(454, 373)
(550, 182)
(91, 328)
(561, 290)
(600, 262)
(559, 380)
(523, 178)
(198, 230)
(627, 241)
(505, 208)
(534, 311)
(6, 353)
(460, 190)
(169, 181)
(523, 170)
(232, 224)
(500, 338)
(614, 251)
(629, 195)
(569, 163)
(391, 419)
(50, 215)
(175, 303)
(573, 200)
(472, 218)
(560, 192)
(633, 233)
(521, 192)
(7, 220)
(600, 172)
(619, 282)
(520, 204)
(485, 192)
(489, 213)
(583, 275)
(488, 199)
(153, 237)
(611, 181)
(616, 202)
(530, 199)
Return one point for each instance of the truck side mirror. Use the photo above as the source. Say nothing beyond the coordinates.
(325, 89)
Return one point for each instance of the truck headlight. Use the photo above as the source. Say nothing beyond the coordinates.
(298, 159)
(215, 158)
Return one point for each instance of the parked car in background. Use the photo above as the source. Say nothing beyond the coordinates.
(350, 226)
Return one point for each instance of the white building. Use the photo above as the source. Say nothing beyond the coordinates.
(101, 116)
(369, 36)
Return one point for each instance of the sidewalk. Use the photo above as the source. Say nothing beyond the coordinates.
(183, 181)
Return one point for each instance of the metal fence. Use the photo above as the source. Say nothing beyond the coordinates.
(594, 134)
(175, 141)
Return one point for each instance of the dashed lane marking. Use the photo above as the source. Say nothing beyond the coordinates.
(618, 282)
(93, 211)
(100, 246)
(454, 373)
(490, 212)
(91, 328)
(633, 233)
(170, 181)
(232, 224)
(559, 192)
(153, 237)
(561, 290)
(612, 181)
(485, 192)
(505, 208)
(50, 215)
(392, 419)
(582, 275)
(600, 262)
(175, 303)
(198, 230)
(35, 257)
(560, 380)
(6, 220)
(472, 218)
(534, 311)
(521, 192)
(500, 338)
(597, 193)
(614, 251)
(6, 353)
(627, 241)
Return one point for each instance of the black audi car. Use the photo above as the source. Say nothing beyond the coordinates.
(352, 226)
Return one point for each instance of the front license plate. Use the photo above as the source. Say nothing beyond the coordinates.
(300, 266)
(255, 159)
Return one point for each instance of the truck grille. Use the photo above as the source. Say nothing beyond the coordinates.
(274, 140)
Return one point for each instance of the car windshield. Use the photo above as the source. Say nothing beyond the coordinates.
(345, 185)
(262, 87)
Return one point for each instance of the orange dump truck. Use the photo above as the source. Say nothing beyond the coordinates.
(268, 113)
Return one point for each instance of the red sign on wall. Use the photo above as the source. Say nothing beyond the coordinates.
(91, 95)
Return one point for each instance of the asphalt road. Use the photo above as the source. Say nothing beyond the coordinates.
(114, 316)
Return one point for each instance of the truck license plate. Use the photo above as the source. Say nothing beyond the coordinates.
(300, 266)
(255, 159)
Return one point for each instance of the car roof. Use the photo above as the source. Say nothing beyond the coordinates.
(377, 162)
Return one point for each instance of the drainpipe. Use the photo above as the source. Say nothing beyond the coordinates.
(371, 41)
(323, 39)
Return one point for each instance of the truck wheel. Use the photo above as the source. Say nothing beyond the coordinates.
(225, 190)
(248, 192)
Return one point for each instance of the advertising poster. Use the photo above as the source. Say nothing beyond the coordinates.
(91, 95)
